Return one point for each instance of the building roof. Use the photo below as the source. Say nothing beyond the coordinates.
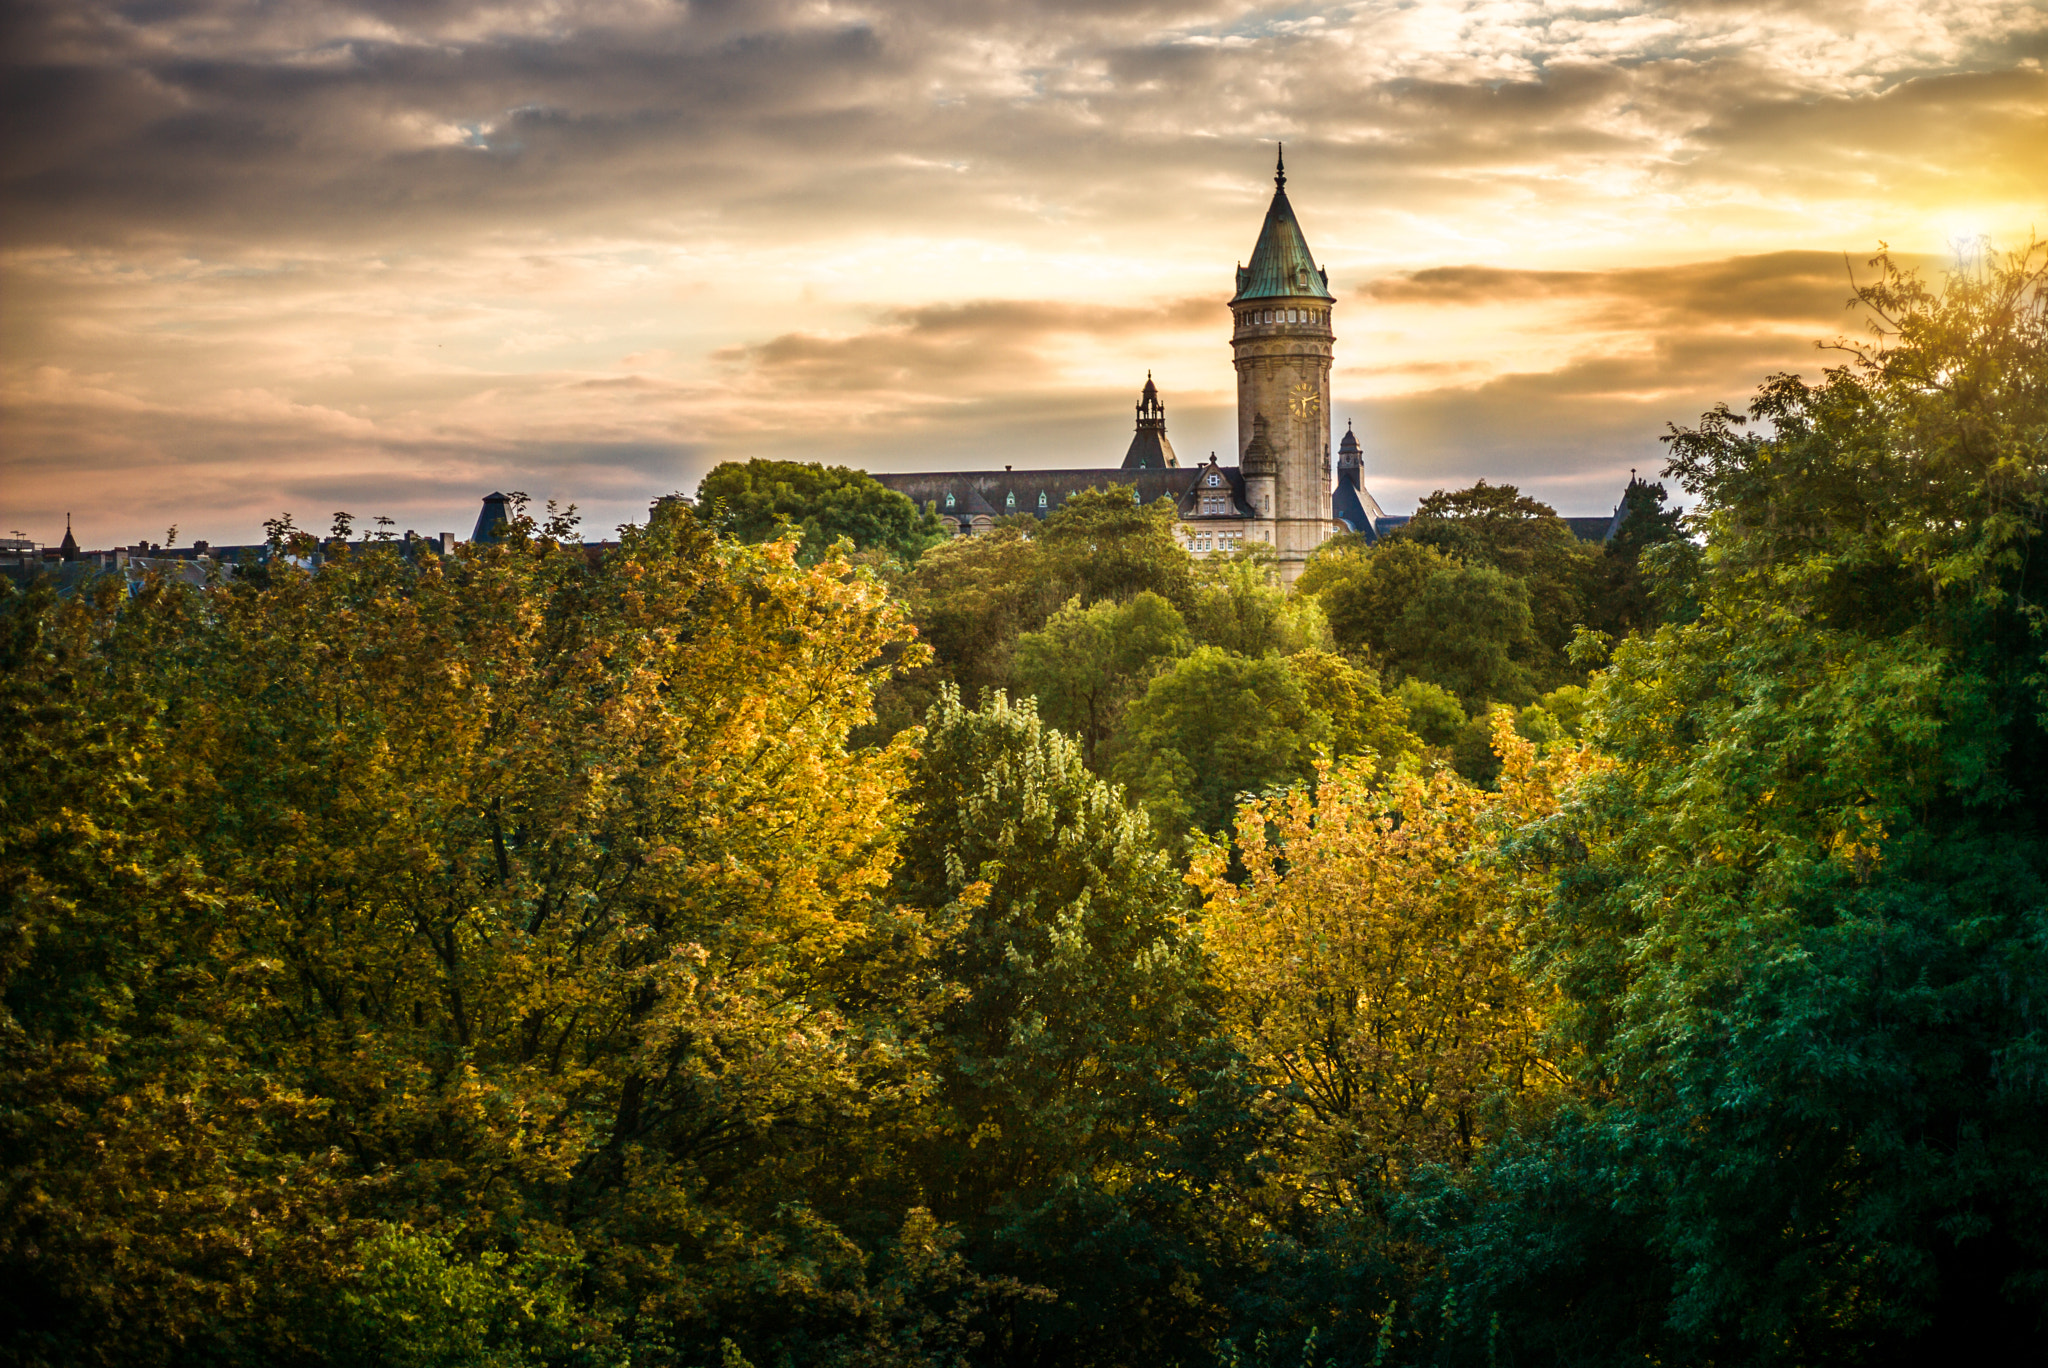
(1281, 265)
(995, 493)
(1353, 504)
(496, 513)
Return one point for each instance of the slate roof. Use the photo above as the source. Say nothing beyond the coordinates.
(1354, 506)
(996, 493)
(496, 513)
(1281, 265)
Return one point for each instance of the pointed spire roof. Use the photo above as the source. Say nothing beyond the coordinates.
(1149, 449)
(495, 515)
(1281, 265)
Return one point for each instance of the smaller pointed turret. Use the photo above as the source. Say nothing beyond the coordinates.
(1349, 457)
(1258, 458)
(1351, 503)
(493, 518)
(69, 550)
(1149, 449)
(1261, 467)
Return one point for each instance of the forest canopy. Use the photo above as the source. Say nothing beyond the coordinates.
(794, 937)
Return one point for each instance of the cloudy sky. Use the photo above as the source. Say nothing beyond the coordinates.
(264, 256)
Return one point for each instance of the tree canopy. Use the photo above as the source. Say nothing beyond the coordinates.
(748, 949)
(756, 499)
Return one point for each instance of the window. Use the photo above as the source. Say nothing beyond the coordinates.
(1041, 498)
(1202, 542)
(949, 501)
(1214, 480)
(1010, 499)
(1134, 495)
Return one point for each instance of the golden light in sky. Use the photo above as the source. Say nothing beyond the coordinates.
(389, 256)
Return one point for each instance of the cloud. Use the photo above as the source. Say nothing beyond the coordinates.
(1815, 289)
(261, 248)
(942, 349)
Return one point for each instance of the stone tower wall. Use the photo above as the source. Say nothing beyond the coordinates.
(1283, 372)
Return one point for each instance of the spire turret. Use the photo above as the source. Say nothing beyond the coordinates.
(1258, 458)
(1149, 448)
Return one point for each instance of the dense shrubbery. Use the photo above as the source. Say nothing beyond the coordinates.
(515, 960)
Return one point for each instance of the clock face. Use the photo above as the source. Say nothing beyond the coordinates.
(1304, 401)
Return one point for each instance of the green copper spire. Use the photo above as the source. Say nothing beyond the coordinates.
(1281, 265)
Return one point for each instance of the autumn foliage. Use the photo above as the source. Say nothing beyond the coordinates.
(1057, 951)
(1369, 958)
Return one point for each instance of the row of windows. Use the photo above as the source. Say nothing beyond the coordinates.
(1287, 316)
(1218, 541)
(1215, 505)
(1010, 499)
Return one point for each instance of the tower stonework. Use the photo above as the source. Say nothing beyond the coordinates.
(1282, 341)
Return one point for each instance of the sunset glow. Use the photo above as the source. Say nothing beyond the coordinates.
(387, 257)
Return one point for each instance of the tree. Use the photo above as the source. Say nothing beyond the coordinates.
(1103, 544)
(1433, 711)
(1363, 720)
(1467, 629)
(1497, 525)
(1364, 589)
(972, 598)
(1240, 607)
(1087, 664)
(1072, 1050)
(754, 501)
(1213, 727)
(524, 903)
(1626, 599)
(1798, 925)
(1367, 960)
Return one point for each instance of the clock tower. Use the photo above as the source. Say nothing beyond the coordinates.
(1282, 342)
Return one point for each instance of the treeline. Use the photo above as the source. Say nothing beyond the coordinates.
(798, 938)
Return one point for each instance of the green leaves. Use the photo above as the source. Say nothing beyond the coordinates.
(755, 501)
(1795, 924)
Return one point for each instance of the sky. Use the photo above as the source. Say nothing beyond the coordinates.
(283, 256)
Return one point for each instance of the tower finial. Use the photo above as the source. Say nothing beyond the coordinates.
(1280, 166)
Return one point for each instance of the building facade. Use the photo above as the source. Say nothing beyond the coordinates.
(1277, 491)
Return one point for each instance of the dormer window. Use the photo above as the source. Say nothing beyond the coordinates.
(1010, 499)
(949, 501)
(1041, 498)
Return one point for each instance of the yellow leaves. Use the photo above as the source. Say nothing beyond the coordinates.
(1367, 956)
